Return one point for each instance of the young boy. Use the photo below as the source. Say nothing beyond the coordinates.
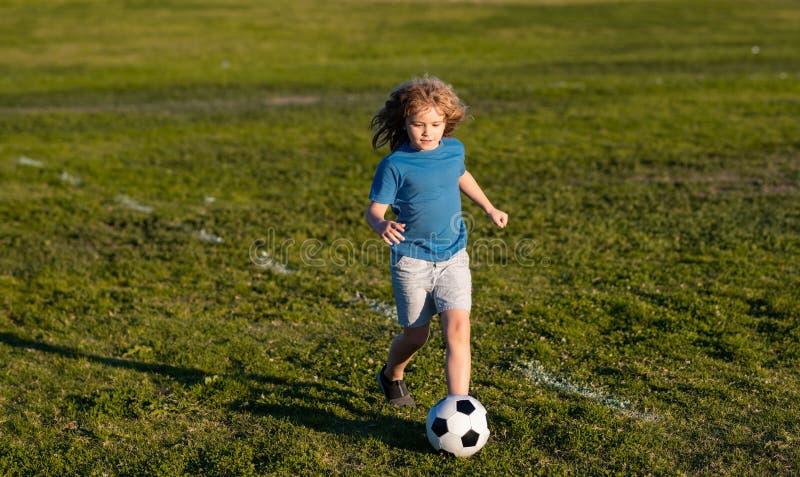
(422, 180)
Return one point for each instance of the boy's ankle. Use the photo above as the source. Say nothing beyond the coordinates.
(394, 390)
(389, 377)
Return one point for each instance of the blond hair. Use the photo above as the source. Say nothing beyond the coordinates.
(411, 97)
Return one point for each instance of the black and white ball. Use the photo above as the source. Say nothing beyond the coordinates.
(457, 425)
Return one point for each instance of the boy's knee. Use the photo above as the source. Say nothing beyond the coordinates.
(457, 328)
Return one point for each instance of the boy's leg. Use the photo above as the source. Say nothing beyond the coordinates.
(456, 330)
(403, 348)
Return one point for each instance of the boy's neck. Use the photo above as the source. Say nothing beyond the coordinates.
(410, 146)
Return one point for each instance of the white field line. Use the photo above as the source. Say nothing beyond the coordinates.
(28, 162)
(129, 203)
(70, 179)
(386, 309)
(262, 260)
(537, 373)
(207, 237)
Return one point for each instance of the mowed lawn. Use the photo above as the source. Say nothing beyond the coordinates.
(188, 285)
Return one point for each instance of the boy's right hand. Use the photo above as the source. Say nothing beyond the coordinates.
(391, 232)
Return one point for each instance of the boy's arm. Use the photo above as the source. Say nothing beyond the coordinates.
(389, 230)
(471, 189)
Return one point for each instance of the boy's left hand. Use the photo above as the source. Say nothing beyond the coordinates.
(499, 217)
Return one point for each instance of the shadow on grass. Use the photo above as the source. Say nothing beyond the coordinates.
(186, 376)
(394, 431)
(303, 403)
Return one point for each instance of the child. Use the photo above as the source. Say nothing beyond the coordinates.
(422, 179)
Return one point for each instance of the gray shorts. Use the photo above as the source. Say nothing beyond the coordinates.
(423, 289)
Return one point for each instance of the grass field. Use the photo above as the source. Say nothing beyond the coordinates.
(189, 286)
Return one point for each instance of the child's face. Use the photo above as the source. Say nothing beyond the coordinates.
(425, 129)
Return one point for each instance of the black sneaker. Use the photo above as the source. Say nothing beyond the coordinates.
(395, 391)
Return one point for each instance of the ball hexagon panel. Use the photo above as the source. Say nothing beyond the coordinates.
(445, 408)
(451, 443)
(458, 424)
(478, 420)
(482, 440)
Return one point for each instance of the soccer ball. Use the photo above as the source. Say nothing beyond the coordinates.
(457, 425)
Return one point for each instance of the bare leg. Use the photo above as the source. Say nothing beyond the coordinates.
(404, 345)
(456, 329)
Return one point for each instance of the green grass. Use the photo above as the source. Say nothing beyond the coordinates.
(638, 316)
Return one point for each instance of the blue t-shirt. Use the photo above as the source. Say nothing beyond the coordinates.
(422, 189)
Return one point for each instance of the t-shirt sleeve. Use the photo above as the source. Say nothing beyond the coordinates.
(385, 184)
